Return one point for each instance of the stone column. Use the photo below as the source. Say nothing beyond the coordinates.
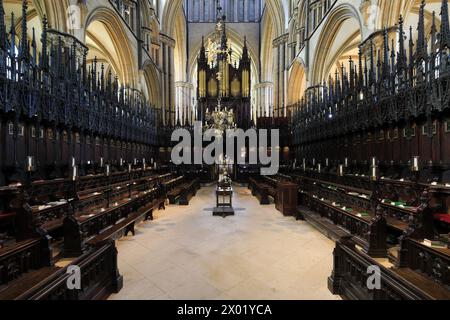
(285, 76)
(183, 101)
(202, 10)
(163, 83)
(212, 10)
(171, 97)
(191, 10)
(246, 10)
(276, 77)
(225, 9)
(281, 74)
(168, 79)
(257, 10)
(264, 98)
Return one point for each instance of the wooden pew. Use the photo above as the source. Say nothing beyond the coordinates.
(109, 222)
(395, 209)
(180, 191)
(127, 225)
(28, 264)
(281, 188)
(189, 191)
(174, 189)
(417, 258)
(259, 191)
(350, 274)
(100, 277)
(24, 264)
(271, 185)
(50, 216)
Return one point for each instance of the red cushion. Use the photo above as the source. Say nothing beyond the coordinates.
(442, 218)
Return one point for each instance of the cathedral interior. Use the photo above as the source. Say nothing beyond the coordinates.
(99, 200)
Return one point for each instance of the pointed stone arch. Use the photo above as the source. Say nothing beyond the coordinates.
(334, 41)
(117, 36)
(152, 84)
(297, 81)
(55, 11)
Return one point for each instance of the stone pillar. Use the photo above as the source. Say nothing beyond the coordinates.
(236, 5)
(225, 9)
(183, 101)
(282, 86)
(285, 76)
(163, 84)
(168, 80)
(264, 99)
(171, 97)
(276, 77)
(246, 10)
(281, 74)
(202, 10)
(212, 10)
(257, 10)
(191, 10)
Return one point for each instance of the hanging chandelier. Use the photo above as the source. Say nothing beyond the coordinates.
(221, 119)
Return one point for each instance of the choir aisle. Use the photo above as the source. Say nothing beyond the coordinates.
(186, 253)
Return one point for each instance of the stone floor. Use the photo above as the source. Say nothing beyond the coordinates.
(186, 253)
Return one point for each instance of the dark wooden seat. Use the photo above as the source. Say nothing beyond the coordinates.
(259, 190)
(122, 228)
(127, 225)
(188, 192)
(174, 195)
(26, 283)
(423, 283)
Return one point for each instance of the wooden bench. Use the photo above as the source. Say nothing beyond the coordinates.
(272, 186)
(349, 277)
(260, 191)
(26, 282)
(127, 225)
(22, 265)
(99, 271)
(431, 288)
(189, 191)
(174, 195)
(174, 188)
(121, 216)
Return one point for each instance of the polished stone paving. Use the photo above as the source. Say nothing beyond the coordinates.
(186, 253)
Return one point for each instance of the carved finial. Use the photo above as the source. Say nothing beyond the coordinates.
(421, 42)
(401, 59)
(24, 38)
(386, 66)
(3, 37)
(102, 77)
(445, 26)
(13, 37)
(44, 57)
(33, 46)
(360, 68)
(372, 62)
(433, 33)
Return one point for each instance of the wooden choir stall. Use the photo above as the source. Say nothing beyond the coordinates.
(374, 159)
